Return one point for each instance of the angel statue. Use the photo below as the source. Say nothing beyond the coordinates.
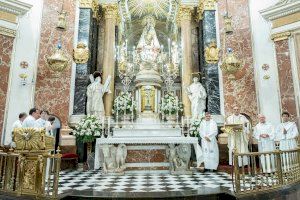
(95, 93)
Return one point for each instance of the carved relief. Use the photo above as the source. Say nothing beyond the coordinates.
(114, 158)
(212, 53)
(81, 53)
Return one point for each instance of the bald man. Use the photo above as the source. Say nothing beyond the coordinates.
(265, 134)
(242, 141)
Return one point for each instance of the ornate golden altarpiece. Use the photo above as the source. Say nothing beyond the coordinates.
(26, 169)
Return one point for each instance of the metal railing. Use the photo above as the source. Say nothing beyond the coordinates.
(257, 171)
(30, 173)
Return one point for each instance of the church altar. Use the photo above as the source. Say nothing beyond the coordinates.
(176, 150)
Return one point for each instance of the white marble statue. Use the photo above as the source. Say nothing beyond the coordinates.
(95, 92)
(197, 96)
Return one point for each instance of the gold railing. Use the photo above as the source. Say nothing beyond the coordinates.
(265, 171)
(30, 173)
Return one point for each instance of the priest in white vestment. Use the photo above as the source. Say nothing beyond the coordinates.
(241, 140)
(30, 120)
(208, 131)
(286, 135)
(16, 124)
(264, 133)
(41, 122)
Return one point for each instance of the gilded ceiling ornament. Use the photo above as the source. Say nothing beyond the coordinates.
(212, 53)
(110, 11)
(81, 53)
(280, 36)
(158, 8)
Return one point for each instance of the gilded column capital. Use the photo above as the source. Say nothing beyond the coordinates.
(110, 11)
(280, 36)
(184, 13)
(92, 4)
(208, 4)
(205, 5)
(200, 10)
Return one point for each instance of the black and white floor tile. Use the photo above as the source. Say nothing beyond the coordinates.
(96, 181)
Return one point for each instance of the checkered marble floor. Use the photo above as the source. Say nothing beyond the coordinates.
(96, 181)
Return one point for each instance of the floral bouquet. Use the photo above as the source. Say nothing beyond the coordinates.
(194, 126)
(170, 105)
(124, 104)
(88, 129)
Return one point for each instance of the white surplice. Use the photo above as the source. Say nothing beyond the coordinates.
(210, 149)
(287, 142)
(29, 122)
(241, 140)
(265, 145)
(8, 136)
(40, 123)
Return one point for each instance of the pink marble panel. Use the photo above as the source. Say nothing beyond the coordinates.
(6, 46)
(53, 93)
(241, 91)
(286, 85)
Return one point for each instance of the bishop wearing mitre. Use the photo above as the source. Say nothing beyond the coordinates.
(241, 140)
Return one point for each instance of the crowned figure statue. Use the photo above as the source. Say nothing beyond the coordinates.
(148, 48)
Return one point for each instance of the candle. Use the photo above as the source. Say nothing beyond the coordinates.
(103, 126)
(132, 114)
(169, 46)
(176, 110)
(108, 125)
(117, 118)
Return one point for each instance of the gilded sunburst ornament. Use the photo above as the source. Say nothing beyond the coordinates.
(139, 8)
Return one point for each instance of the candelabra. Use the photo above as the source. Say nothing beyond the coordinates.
(126, 69)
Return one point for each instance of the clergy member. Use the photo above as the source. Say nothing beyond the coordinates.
(41, 122)
(264, 133)
(208, 131)
(16, 124)
(286, 134)
(242, 141)
(29, 121)
(19, 122)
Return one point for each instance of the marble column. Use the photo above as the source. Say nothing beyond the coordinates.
(210, 70)
(286, 84)
(85, 29)
(184, 19)
(110, 14)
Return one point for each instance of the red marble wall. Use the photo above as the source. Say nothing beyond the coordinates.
(241, 91)
(286, 85)
(53, 93)
(6, 46)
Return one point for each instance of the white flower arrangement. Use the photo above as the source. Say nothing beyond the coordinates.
(194, 126)
(170, 105)
(124, 104)
(88, 129)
